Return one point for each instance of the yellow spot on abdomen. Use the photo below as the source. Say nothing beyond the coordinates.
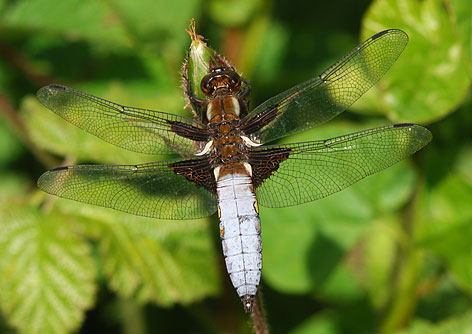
(256, 207)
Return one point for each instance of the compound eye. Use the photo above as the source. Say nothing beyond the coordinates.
(205, 85)
(236, 82)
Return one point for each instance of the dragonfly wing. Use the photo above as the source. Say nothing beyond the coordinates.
(325, 96)
(139, 130)
(159, 190)
(304, 172)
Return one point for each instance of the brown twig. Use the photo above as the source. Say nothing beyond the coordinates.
(12, 117)
(24, 65)
(258, 315)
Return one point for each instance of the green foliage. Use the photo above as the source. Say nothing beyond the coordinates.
(447, 225)
(46, 271)
(431, 78)
(459, 325)
(391, 254)
(145, 259)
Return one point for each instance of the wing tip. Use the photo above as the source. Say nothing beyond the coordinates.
(420, 131)
(56, 86)
(44, 92)
(403, 125)
(389, 31)
(56, 169)
(43, 179)
(380, 34)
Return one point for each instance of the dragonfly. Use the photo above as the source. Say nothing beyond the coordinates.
(226, 164)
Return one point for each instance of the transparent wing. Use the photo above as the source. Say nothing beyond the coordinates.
(313, 170)
(152, 190)
(135, 129)
(325, 96)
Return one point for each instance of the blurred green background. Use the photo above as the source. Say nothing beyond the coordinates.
(391, 254)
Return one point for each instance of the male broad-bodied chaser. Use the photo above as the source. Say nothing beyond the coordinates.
(225, 165)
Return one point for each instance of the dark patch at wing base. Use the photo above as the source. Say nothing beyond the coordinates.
(198, 171)
(265, 162)
(260, 120)
(189, 131)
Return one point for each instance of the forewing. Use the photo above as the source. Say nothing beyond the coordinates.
(151, 190)
(309, 171)
(325, 96)
(135, 129)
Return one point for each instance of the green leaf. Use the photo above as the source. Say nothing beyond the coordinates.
(76, 19)
(322, 323)
(164, 262)
(446, 228)
(430, 78)
(463, 19)
(304, 245)
(458, 325)
(167, 22)
(431, 305)
(13, 185)
(46, 272)
(234, 13)
(343, 285)
(377, 257)
(10, 147)
(263, 54)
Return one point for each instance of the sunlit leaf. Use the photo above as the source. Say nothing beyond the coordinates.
(46, 271)
(430, 79)
(460, 324)
(167, 22)
(158, 261)
(76, 19)
(462, 11)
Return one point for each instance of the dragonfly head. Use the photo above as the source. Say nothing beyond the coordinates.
(221, 80)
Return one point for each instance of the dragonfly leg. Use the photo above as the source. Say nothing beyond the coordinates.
(248, 88)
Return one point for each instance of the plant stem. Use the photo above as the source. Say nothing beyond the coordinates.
(132, 317)
(258, 316)
(404, 291)
(24, 65)
(404, 294)
(11, 116)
